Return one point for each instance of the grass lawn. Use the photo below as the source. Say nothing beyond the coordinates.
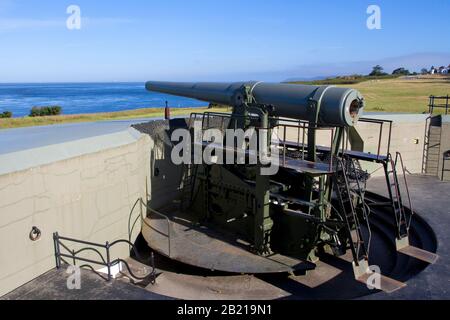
(409, 95)
(121, 115)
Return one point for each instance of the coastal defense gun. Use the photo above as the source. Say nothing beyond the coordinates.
(320, 106)
(290, 212)
(254, 222)
(325, 105)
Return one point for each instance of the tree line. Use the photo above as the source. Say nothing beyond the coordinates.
(378, 71)
(36, 112)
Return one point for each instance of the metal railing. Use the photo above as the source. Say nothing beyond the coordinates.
(434, 103)
(399, 160)
(280, 125)
(358, 247)
(301, 128)
(426, 144)
(131, 227)
(152, 211)
(382, 124)
(445, 158)
(63, 251)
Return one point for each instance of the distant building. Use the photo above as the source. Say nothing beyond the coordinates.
(440, 70)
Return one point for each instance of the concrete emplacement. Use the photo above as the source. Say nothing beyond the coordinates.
(86, 189)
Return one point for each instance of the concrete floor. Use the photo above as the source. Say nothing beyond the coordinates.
(53, 286)
(431, 199)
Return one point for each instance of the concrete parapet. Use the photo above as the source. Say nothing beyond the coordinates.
(83, 189)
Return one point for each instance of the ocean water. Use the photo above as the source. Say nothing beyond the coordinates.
(75, 98)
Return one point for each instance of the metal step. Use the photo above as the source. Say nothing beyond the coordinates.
(420, 254)
(404, 247)
(357, 243)
(363, 274)
(387, 284)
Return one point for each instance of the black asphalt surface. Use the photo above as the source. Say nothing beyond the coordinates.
(431, 200)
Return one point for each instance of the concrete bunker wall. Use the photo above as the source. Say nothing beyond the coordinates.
(88, 197)
(408, 135)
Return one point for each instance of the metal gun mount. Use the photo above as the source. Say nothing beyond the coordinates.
(278, 223)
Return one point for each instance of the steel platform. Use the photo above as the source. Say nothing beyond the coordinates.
(312, 168)
(179, 239)
(420, 254)
(299, 165)
(333, 277)
(358, 155)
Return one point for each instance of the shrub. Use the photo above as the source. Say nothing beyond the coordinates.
(45, 111)
(6, 114)
(401, 71)
(377, 71)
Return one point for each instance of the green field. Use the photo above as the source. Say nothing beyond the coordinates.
(346, 80)
(409, 95)
(121, 115)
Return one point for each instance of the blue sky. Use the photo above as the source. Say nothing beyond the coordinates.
(138, 40)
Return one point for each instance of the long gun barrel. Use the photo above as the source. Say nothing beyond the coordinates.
(338, 106)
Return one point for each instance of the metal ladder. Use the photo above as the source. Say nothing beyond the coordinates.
(350, 216)
(426, 145)
(359, 191)
(402, 219)
(360, 248)
(395, 196)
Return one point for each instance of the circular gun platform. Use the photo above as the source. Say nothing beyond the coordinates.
(177, 238)
(333, 277)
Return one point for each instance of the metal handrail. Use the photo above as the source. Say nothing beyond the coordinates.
(397, 200)
(75, 253)
(131, 227)
(304, 127)
(399, 157)
(363, 208)
(426, 144)
(302, 124)
(108, 263)
(433, 105)
(141, 216)
(356, 250)
(381, 122)
(445, 158)
(168, 224)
